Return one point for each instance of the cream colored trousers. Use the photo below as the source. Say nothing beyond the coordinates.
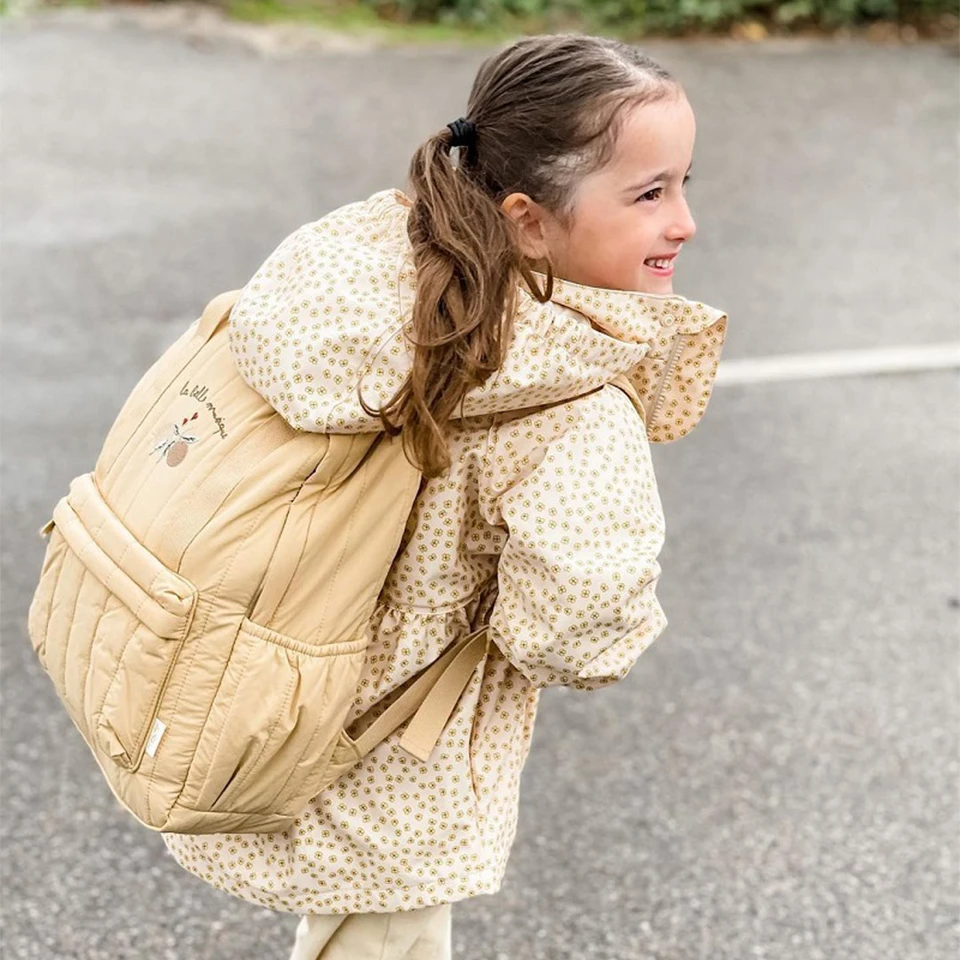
(407, 935)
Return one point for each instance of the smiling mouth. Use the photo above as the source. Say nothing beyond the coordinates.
(658, 265)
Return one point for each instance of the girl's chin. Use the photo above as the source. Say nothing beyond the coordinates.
(663, 288)
(644, 282)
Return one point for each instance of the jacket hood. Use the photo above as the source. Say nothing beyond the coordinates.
(326, 316)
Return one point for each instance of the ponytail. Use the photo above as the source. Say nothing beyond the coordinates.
(468, 263)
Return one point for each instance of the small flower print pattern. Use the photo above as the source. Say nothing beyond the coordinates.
(174, 448)
(548, 527)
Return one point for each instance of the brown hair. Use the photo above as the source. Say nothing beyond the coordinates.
(546, 112)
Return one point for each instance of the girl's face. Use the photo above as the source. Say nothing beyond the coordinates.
(633, 210)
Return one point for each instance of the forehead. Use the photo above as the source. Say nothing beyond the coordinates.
(655, 137)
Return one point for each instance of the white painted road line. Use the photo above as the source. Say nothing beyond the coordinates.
(840, 363)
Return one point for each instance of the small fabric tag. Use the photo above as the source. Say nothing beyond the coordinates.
(156, 732)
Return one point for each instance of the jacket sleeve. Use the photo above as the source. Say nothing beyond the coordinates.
(576, 604)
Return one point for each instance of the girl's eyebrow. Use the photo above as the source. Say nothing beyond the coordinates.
(663, 175)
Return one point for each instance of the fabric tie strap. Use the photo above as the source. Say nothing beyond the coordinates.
(430, 700)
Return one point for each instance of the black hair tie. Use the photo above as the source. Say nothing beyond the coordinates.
(464, 133)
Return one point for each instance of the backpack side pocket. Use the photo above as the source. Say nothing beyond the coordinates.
(110, 619)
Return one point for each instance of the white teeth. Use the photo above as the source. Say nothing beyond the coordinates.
(660, 264)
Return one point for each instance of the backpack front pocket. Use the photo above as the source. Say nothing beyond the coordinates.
(274, 722)
(109, 619)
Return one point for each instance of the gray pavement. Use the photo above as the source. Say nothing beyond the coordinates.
(778, 777)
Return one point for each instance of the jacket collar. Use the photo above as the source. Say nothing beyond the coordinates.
(679, 342)
(634, 316)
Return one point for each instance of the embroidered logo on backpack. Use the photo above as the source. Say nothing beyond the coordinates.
(174, 448)
(175, 443)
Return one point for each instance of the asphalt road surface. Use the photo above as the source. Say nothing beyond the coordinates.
(778, 776)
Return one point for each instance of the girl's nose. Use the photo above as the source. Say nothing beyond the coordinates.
(684, 227)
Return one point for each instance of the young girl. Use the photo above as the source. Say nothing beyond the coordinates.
(488, 315)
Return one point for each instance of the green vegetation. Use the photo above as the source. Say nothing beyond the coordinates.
(440, 18)
(359, 17)
(484, 21)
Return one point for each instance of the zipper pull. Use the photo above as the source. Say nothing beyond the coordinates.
(47, 528)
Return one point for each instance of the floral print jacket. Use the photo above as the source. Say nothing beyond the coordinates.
(547, 527)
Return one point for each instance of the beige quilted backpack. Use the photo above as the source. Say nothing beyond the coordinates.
(204, 600)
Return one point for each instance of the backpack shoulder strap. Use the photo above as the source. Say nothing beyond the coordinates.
(215, 312)
(621, 381)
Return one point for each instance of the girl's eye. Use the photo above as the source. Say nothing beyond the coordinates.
(652, 195)
(657, 192)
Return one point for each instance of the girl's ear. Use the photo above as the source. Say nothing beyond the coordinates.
(529, 218)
